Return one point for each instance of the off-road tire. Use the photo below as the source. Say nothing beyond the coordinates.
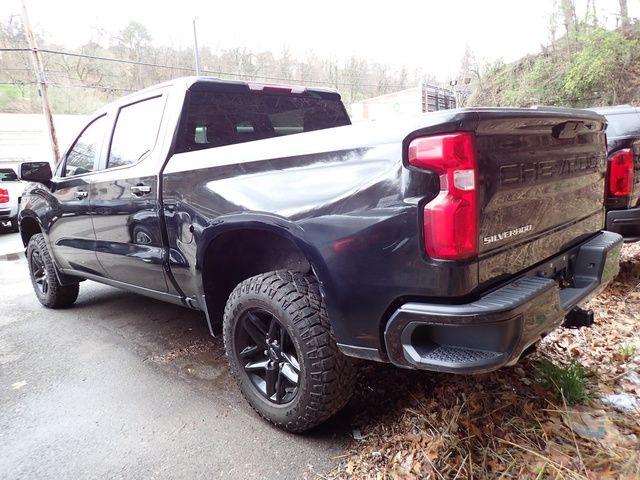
(326, 377)
(54, 294)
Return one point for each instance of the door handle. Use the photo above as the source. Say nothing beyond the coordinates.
(81, 194)
(139, 190)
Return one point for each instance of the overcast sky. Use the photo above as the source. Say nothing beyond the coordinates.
(430, 34)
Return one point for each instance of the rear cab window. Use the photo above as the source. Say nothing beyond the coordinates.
(214, 118)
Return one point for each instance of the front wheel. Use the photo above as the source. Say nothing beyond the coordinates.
(45, 282)
(282, 351)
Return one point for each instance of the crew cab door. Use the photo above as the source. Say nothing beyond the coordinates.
(70, 229)
(124, 197)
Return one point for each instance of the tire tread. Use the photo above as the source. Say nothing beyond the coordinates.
(332, 374)
(58, 296)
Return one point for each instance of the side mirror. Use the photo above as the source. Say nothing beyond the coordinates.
(36, 172)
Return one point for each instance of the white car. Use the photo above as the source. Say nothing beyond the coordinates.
(11, 189)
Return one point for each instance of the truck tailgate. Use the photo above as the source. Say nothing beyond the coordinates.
(542, 186)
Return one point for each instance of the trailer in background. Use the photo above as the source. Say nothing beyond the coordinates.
(412, 101)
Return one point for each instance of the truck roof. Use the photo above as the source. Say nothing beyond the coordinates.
(615, 110)
(193, 82)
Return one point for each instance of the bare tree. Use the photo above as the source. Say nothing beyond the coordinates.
(133, 40)
(591, 15)
(625, 23)
(569, 16)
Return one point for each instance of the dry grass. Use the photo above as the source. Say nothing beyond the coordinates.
(505, 425)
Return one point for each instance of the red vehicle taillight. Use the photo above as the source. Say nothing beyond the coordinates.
(450, 219)
(4, 195)
(621, 173)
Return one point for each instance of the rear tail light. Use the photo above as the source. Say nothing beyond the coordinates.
(450, 219)
(621, 173)
(4, 195)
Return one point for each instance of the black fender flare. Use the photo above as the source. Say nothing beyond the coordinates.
(30, 214)
(258, 221)
(261, 221)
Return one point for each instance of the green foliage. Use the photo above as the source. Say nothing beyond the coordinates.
(627, 350)
(13, 98)
(568, 382)
(599, 67)
(592, 67)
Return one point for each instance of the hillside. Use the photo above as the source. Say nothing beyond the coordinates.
(588, 67)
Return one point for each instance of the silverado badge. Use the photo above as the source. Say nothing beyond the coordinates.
(509, 233)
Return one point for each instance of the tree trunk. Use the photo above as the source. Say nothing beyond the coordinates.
(624, 16)
(569, 16)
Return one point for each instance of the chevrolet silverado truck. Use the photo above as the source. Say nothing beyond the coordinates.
(450, 241)
(623, 170)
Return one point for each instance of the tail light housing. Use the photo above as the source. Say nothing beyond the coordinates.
(621, 173)
(451, 219)
(4, 195)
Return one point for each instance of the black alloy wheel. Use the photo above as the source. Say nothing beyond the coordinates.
(39, 273)
(268, 355)
(46, 285)
(282, 351)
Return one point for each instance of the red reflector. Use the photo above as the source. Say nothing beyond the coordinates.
(621, 173)
(269, 88)
(4, 195)
(450, 219)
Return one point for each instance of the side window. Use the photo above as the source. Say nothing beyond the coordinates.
(292, 121)
(83, 156)
(136, 132)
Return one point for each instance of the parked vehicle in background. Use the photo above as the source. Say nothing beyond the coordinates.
(451, 241)
(10, 192)
(623, 170)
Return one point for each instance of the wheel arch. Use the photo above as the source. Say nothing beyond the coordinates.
(29, 226)
(237, 248)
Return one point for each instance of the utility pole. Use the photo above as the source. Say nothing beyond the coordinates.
(196, 53)
(37, 66)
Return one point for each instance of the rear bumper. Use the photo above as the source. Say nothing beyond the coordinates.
(7, 214)
(496, 329)
(625, 222)
(8, 210)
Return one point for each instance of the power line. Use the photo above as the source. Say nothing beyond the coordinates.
(213, 72)
(117, 60)
(61, 85)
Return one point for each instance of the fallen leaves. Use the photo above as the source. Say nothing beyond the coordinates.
(420, 425)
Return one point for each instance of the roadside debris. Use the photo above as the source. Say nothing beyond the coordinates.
(624, 401)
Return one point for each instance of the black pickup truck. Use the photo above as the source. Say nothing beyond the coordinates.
(451, 241)
(623, 170)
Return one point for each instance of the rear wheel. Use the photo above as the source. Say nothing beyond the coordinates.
(282, 351)
(45, 282)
